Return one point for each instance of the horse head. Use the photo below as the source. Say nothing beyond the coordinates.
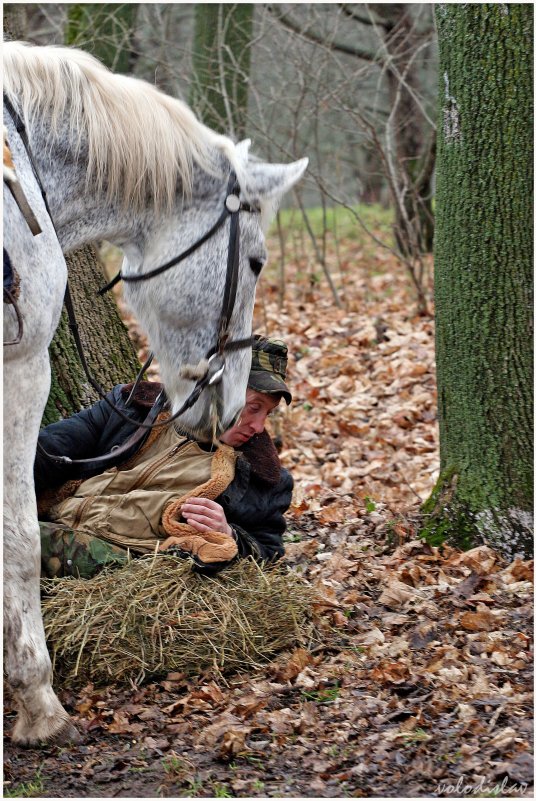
(182, 307)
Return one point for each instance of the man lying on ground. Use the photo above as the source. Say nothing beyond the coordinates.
(214, 503)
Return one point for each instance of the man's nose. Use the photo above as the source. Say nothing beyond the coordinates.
(258, 423)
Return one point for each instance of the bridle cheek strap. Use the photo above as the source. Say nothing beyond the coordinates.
(215, 360)
(213, 365)
(231, 279)
(164, 267)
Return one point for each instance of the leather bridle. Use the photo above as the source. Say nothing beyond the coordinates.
(214, 359)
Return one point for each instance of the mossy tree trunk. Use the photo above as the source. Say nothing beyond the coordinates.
(483, 278)
(221, 65)
(109, 352)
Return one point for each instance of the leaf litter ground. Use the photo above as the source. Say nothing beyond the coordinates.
(421, 684)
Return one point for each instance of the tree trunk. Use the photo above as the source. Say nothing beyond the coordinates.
(105, 30)
(14, 22)
(109, 352)
(483, 278)
(221, 65)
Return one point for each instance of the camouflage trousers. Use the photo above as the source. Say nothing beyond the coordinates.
(67, 552)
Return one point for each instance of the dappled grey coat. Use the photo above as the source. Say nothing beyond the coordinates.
(254, 502)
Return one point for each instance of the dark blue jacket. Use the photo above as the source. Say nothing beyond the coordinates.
(254, 502)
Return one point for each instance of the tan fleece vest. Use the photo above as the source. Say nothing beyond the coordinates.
(125, 507)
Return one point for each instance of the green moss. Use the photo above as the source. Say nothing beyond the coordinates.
(51, 413)
(222, 38)
(447, 518)
(104, 29)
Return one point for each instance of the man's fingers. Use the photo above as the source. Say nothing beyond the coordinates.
(205, 523)
(205, 515)
(199, 510)
(223, 528)
(196, 503)
(204, 519)
(199, 526)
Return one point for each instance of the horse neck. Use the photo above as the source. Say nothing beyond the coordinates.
(80, 213)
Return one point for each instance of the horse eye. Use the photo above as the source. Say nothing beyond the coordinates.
(256, 266)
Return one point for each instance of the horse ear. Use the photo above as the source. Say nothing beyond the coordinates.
(271, 181)
(242, 150)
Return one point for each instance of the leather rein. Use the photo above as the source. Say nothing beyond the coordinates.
(215, 357)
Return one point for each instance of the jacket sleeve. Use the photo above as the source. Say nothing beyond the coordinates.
(76, 437)
(263, 538)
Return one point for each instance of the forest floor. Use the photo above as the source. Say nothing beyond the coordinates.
(422, 685)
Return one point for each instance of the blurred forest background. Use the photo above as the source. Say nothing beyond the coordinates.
(352, 86)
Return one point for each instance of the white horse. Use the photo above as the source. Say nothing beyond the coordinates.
(119, 161)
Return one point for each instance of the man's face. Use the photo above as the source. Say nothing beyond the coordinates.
(258, 407)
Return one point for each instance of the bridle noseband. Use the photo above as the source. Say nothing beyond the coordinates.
(215, 358)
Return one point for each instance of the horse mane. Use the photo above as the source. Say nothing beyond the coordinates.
(140, 141)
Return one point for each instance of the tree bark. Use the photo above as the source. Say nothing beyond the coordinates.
(14, 22)
(109, 352)
(221, 65)
(483, 278)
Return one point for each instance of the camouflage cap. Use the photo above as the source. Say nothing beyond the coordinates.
(269, 367)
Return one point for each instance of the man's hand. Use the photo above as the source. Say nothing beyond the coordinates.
(205, 515)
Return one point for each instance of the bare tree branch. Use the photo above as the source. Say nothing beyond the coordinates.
(364, 19)
(285, 20)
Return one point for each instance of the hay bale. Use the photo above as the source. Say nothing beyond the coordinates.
(156, 615)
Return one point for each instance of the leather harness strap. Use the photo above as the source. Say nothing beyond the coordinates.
(118, 453)
(19, 197)
(14, 186)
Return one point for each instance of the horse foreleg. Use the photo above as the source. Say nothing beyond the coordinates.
(41, 717)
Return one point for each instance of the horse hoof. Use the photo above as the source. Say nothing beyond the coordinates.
(66, 735)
